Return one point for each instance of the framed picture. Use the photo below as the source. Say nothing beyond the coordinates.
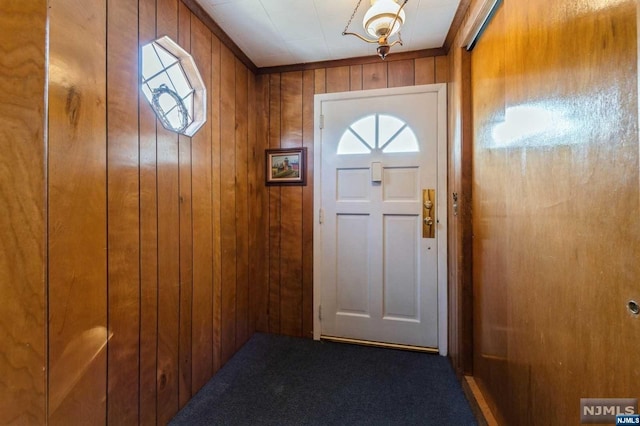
(286, 166)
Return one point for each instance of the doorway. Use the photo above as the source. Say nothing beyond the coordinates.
(380, 245)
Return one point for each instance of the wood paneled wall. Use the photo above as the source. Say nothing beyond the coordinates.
(23, 210)
(283, 302)
(126, 249)
(556, 208)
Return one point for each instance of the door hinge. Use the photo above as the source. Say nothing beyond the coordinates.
(322, 121)
(320, 312)
(321, 216)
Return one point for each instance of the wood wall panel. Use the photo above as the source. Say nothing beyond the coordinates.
(425, 70)
(308, 88)
(123, 213)
(201, 179)
(22, 222)
(142, 308)
(148, 236)
(273, 308)
(374, 76)
(356, 77)
(551, 275)
(242, 205)
(291, 210)
(77, 281)
(186, 247)
(168, 245)
(259, 223)
(401, 73)
(338, 79)
(442, 69)
(289, 110)
(228, 203)
(216, 161)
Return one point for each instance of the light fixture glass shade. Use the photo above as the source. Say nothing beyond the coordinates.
(379, 17)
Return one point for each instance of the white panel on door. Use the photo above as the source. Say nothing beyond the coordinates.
(401, 184)
(401, 275)
(353, 184)
(352, 264)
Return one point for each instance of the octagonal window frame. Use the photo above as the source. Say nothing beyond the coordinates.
(173, 87)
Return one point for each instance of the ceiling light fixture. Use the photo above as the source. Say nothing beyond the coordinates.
(383, 19)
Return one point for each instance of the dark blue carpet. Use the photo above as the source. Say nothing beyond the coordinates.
(278, 380)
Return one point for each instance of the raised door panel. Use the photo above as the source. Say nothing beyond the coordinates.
(401, 282)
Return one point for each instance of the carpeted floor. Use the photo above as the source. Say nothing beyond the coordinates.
(278, 380)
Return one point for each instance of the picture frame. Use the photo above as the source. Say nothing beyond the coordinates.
(286, 166)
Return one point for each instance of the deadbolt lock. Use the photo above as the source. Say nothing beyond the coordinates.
(429, 213)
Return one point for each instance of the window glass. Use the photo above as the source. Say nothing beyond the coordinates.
(366, 129)
(405, 141)
(378, 132)
(388, 126)
(173, 87)
(351, 144)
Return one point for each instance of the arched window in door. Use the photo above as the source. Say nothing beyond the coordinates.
(380, 132)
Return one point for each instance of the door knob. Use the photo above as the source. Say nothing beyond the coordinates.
(428, 205)
(428, 221)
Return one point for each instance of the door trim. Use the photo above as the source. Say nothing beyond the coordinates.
(442, 198)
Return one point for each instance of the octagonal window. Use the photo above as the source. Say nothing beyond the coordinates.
(173, 87)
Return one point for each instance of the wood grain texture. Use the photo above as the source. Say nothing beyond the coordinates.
(356, 77)
(374, 76)
(273, 309)
(202, 181)
(291, 211)
(168, 246)
(22, 224)
(401, 73)
(228, 203)
(242, 205)
(188, 317)
(135, 236)
(425, 71)
(123, 202)
(259, 224)
(77, 213)
(362, 60)
(338, 79)
(550, 204)
(308, 88)
(148, 237)
(216, 114)
(442, 69)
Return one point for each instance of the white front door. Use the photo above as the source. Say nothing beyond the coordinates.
(377, 270)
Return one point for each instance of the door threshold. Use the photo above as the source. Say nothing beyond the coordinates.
(379, 344)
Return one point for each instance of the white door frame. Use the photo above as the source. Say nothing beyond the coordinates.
(441, 90)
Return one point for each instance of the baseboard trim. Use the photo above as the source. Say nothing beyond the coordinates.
(379, 344)
(478, 404)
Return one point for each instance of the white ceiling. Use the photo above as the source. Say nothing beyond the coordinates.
(284, 32)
